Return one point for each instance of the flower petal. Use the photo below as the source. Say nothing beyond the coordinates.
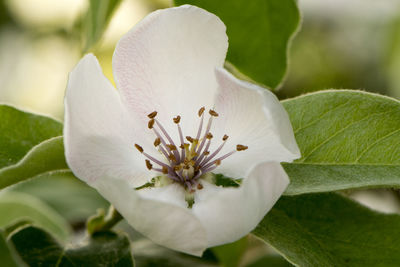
(254, 117)
(230, 213)
(166, 63)
(96, 139)
(165, 224)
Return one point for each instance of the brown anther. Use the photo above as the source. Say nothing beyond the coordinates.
(190, 139)
(164, 170)
(177, 168)
(192, 191)
(225, 137)
(139, 148)
(151, 124)
(157, 142)
(206, 153)
(241, 147)
(186, 167)
(218, 162)
(209, 136)
(152, 115)
(213, 113)
(186, 161)
(171, 147)
(148, 164)
(177, 119)
(182, 146)
(200, 186)
(197, 168)
(201, 111)
(172, 157)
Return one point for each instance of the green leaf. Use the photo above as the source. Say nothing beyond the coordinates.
(230, 255)
(331, 230)
(270, 261)
(348, 139)
(47, 158)
(97, 19)
(38, 248)
(7, 254)
(20, 131)
(259, 33)
(15, 207)
(69, 196)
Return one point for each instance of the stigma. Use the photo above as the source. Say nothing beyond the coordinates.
(190, 159)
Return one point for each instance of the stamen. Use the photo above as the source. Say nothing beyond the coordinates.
(152, 115)
(151, 124)
(241, 147)
(148, 164)
(201, 111)
(213, 113)
(171, 147)
(177, 119)
(190, 139)
(139, 148)
(157, 142)
(225, 137)
(209, 136)
(199, 186)
(168, 137)
(217, 162)
(164, 170)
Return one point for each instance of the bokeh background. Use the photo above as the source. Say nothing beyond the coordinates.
(351, 44)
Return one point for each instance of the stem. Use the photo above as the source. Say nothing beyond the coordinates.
(113, 217)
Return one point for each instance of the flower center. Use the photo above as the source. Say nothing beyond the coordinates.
(188, 162)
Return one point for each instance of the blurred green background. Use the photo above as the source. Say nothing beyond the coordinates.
(351, 44)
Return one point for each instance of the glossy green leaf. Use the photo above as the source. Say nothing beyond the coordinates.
(20, 131)
(15, 207)
(348, 139)
(38, 248)
(97, 19)
(47, 158)
(331, 230)
(259, 33)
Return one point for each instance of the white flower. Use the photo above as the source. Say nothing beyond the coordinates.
(172, 63)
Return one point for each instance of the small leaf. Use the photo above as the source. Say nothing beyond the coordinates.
(348, 139)
(47, 158)
(38, 248)
(97, 19)
(331, 230)
(19, 207)
(20, 131)
(259, 33)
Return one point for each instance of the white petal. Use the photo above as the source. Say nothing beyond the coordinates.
(165, 224)
(97, 141)
(230, 213)
(254, 117)
(166, 63)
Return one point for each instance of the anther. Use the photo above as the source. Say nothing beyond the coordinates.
(241, 147)
(201, 110)
(157, 142)
(200, 186)
(213, 113)
(206, 153)
(171, 147)
(148, 164)
(190, 139)
(164, 170)
(152, 115)
(225, 137)
(139, 148)
(151, 124)
(172, 157)
(177, 119)
(177, 168)
(182, 146)
(209, 136)
(218, 162)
